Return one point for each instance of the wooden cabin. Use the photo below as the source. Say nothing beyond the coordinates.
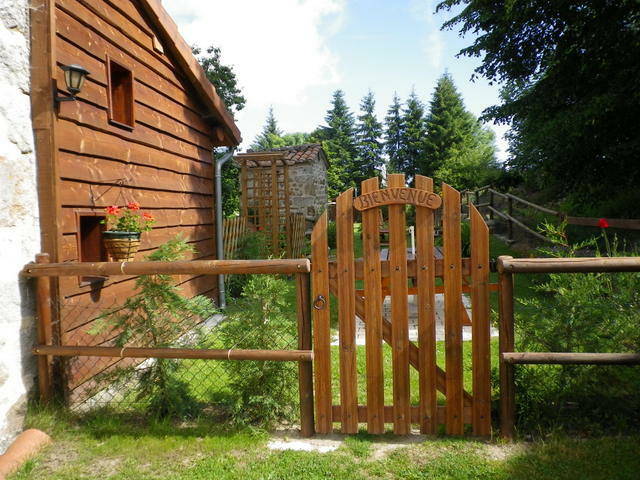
(142, 128)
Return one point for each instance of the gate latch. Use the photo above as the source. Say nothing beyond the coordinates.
(320, 302)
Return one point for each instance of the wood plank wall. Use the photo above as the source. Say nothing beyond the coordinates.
(164, 162)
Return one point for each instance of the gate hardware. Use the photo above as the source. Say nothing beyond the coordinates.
(320, 302)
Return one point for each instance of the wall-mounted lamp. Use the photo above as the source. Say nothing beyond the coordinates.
(74, 76)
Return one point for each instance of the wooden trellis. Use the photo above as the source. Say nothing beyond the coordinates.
(265, 199)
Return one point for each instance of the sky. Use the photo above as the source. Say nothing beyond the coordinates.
(292, 55)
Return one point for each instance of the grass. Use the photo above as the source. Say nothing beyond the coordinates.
(111, 447)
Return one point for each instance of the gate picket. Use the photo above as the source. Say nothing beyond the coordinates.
(347, 312)
(480, 333)
(425, 278)
(452, 308)
(373, 313)
(321, 325)
(399, 312)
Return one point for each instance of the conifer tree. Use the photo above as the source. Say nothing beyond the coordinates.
(412, 149)
(339, 143)
(369, 131)
(270, 135)
(458, 149)
(393, 134)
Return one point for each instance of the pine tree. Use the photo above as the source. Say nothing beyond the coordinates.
(271, 135)
(458, 149)
(412, 149)
(369, 131)
(339, 143)
(393, 134)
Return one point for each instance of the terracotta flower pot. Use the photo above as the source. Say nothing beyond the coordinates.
(121, 246)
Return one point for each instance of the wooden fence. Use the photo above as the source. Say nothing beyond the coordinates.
(507, 267)
(233, 229)
(485, 198)
(48, 347)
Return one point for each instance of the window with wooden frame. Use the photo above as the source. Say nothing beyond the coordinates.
(89, 241)
(120, 92)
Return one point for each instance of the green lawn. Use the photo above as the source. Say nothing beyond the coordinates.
(110, 448)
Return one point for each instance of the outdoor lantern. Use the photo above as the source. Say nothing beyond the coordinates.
(74, 76)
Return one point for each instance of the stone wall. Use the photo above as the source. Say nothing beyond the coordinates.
(19, 228)
(308, 187)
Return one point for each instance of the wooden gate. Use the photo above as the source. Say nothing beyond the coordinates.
(360, 286)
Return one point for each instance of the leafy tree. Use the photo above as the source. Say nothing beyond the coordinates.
(393, 134)
(369, 131)
(412, 149)
(458, 150)
(224, 80)
(222, 77)
(568, 71)
(339, 143)
(270, 135)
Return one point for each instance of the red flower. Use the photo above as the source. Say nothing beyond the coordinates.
(133, 206)
(147, 216)
(113, 210)
(602, 223)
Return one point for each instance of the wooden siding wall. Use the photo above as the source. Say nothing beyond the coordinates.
(164, 162)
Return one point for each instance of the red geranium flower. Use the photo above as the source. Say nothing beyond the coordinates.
(113, 210)
(602, 223)
(147, 216)
(133, 206)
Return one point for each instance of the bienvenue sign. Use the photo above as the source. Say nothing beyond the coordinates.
(397, 195)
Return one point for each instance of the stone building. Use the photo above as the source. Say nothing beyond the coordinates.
(306, 167)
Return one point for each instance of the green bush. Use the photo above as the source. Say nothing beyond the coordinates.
(596, 312)
(262, 393)
(332, 235)
(252, 245)
(157, 316)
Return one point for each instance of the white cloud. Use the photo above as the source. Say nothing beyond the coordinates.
(433, 42)
(279, 49)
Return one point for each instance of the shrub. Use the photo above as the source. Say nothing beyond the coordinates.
(262, 393)
(252, 245)
(332, 235)
(595, 312)
(157, 316)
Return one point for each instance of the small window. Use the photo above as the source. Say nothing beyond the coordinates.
(90, 245)
(120, 95)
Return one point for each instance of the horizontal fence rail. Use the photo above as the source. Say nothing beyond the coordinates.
(49, 345)
(192, 267)
(506, 267)
(181, 353)
(511, 220)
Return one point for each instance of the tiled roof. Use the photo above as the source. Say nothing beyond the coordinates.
(290, 155)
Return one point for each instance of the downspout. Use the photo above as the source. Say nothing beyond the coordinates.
(222, 303)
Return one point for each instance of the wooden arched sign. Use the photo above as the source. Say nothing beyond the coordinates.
(395, 196)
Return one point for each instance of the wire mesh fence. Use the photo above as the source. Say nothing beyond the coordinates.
(223, 389)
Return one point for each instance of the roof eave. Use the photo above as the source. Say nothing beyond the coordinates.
(182, 53)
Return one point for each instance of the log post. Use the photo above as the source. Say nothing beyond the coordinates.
(510, 224)
(506, 344)
(44, 332)
(305, 369)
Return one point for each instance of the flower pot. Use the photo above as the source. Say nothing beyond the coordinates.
(121, 246)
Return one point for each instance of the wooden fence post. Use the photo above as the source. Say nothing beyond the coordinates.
(491, 205)
(44, 332)
(506, 344)
(305, 369)
(510, 223)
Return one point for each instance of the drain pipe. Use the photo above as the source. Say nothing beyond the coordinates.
(222, 303)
